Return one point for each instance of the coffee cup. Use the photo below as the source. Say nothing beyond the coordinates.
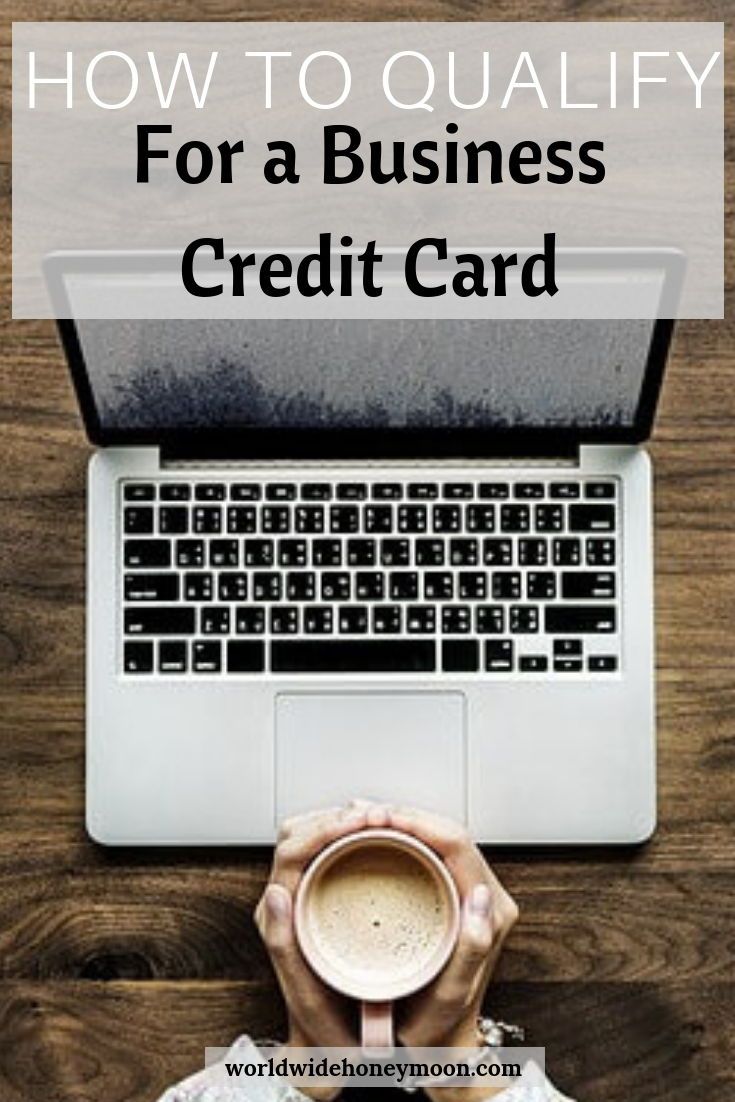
(377, 917)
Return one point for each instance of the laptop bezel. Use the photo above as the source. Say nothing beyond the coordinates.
(347, 444)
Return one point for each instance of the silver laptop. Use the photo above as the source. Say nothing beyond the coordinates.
(408, 560)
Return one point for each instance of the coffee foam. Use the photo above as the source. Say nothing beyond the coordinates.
(378, 912)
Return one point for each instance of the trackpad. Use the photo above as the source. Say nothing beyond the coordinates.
(406, 748)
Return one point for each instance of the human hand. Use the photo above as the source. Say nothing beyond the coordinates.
(317, 1015)
(444, 1014)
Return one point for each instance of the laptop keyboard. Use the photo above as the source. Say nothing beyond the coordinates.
(487, 578)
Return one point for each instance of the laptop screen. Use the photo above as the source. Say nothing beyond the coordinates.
(176, 375)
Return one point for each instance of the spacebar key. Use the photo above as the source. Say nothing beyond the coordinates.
(359, 656)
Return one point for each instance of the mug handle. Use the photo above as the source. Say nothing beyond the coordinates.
(377, 1027)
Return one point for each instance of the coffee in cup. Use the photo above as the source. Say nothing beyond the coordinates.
(377, 915)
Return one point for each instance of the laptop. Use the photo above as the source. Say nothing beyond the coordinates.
(402, 559)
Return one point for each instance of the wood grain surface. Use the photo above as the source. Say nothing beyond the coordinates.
(117, 968)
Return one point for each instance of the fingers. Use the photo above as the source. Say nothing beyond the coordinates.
(303, 837)
(274, 919)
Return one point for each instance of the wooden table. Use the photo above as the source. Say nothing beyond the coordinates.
(118, 967)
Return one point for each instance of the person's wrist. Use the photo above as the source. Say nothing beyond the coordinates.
(465, 1038)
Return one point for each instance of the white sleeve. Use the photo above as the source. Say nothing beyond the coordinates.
(533, 1087)
(213, 1085)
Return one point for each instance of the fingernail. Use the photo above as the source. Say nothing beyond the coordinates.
(479, 902)
(277, 902)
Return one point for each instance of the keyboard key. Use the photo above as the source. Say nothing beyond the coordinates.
(480, 518)
(171, 656)
(173, 519)
(207, 519)
(438, 585)
(498, 655)
(523, 619)
(567, 552)
(258, 553)
(599, 489)
(430, 552)
(532, 552)
(246, 491)
(336, 586)
(528, 489)
(152, 587)
(533, 663)
(497, 552)
(232, 586)
(541, 585)
(316, 491)
(493, 490)
(353, 620)
(456, 490)
(190, 553)
(326, 553)
(420, 619)
(472, 585)
(138, 657)
(209, 491)
(361, 553)
(412, 518)
(506, 585)
(280, 491)
(460, 655)
(351, 491)
(514, 518)
(395, 552)
(301, 585)
(207, 657)
(249, 620)
(242, 519)
(344, 518)
(549, 518)
(387, 491)
(464, 552)
(378, 518)
(284, 620)
(198, 587)
(275, 518)
(174, 491)
(292, 552)
(318, 620)
(602, 663)
(224, 553)
(591, 518)
(423, 491)
(353, 656)
(139, 491)
(489, 619)
(446, 518)
(403, 585)
(580, 619)
(369, 585)
(214, 620)
(567, 665)
(245, 657)
(456, 619)
(164, 620)
(579, 584)
(568, 648)
(138, 520)
(600, 552)
(267, 586)
(387, 619)
(310, 518)
(564, 490)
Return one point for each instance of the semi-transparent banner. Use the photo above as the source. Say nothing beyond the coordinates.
(377, 170)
